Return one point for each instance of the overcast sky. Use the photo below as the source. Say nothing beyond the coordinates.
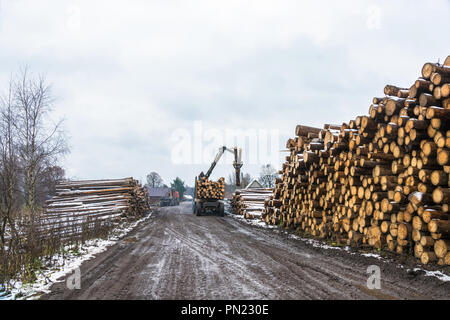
(128, 74)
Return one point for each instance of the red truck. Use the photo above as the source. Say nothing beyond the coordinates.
(172, 198)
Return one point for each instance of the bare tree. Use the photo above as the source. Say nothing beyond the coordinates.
(8, 164)
(245, 180)
(46, 186)
(231, 184)
(41, 141)
(30, 146)
(267, 176)
(154, 180)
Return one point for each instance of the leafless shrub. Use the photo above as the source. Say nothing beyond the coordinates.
(27, 254)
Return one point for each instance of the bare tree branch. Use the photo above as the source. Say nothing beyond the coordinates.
(40, 142)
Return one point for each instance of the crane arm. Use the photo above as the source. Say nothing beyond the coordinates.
(216, 159)
(237, 164)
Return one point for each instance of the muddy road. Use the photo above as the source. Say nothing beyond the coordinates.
(176, 255)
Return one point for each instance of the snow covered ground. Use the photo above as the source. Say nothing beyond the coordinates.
(438, 274)
(59, 265)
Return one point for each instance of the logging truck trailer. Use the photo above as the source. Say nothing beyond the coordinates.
(204, 206)
(207, 206)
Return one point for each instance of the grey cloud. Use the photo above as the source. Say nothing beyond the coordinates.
(135, 72)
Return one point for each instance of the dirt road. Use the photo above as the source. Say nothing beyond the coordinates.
(176, 255)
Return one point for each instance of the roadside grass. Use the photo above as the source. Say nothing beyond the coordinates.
(30, 253)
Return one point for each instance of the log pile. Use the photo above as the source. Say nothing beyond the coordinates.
(380, 180)
(250, 202)
(206, 189)
(82, 205)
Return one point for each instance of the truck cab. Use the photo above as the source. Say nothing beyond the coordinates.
(171, 198)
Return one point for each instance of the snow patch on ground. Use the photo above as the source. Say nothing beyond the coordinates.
(59, 265)
(372, 255)
(254, 222)
(438, 274)
(315, 243)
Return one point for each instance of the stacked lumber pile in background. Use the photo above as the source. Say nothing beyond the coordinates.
(380, 180)
(210, 189)
(250, 202)
(79, 206)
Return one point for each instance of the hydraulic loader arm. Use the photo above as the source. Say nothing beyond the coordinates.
(237, 164)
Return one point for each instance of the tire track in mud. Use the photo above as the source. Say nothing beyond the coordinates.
(178, 255)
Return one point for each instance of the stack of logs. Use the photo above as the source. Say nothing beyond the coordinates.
(250, 202)
(79, 205)
(380, 180)
(210, 189)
